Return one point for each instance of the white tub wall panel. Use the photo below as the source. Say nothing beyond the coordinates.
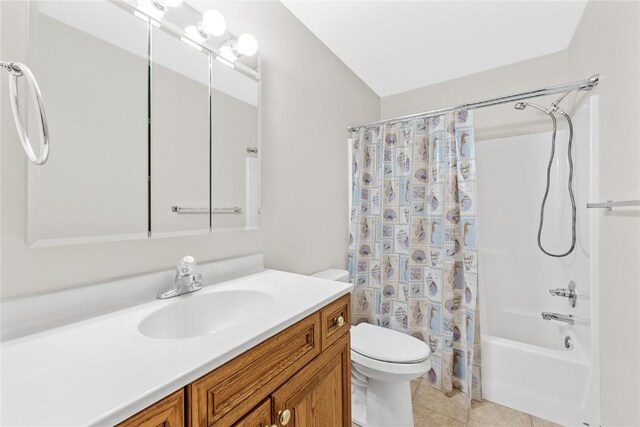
(525, 364)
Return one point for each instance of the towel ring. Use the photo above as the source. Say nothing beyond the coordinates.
(16, 70)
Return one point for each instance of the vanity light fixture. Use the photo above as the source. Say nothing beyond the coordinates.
(233, 48)
(152, 9)
(191, 32)
(228, 53)
(247, 45)
(163, 5)
(227, 62)
(213, 24)
(156, 8)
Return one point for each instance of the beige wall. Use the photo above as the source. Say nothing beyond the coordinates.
(608, 41)
(308, 97)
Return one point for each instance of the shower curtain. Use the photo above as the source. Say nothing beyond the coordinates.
(412, 241)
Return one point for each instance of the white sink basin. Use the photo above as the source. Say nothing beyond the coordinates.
(201, 314)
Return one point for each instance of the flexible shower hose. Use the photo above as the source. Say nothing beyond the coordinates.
(546, 191)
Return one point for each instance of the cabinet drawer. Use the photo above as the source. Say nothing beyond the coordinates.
(330, 318)
(169, 412)
(224, 395)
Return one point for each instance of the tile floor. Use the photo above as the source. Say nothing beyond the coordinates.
(432, 408)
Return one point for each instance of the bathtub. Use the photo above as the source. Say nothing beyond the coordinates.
(553, 383)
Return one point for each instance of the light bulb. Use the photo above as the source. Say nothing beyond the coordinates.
(213, 23)
(247, 44)
(173, 3)
(227, 53)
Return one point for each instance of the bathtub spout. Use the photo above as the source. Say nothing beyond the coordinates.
(566, 318)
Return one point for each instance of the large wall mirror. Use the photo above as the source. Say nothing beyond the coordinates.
(155, 133)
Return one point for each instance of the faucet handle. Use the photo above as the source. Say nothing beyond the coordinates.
(569, 292)
(186, 265)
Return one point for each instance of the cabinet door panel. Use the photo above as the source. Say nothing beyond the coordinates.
(260, 416)
(169, 412)
(318, 395)
(180, 136)
(94, 83)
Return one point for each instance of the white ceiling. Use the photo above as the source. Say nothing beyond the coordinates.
(396, 46)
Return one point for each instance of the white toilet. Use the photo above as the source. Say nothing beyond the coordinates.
(383, 363)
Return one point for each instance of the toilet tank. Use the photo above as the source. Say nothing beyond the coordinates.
(333, 274)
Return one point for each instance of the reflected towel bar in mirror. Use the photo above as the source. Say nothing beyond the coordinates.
(233, 210)
(609, 205)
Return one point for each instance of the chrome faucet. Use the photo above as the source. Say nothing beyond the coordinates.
(566, 318)
(186, 280)
(569, 292)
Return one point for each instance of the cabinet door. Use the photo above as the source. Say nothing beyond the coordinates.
(180, 137)
(260, 416)
(169, 412)
(318, 395)
(223, 396)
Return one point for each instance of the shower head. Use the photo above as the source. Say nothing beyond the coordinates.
(520, 106)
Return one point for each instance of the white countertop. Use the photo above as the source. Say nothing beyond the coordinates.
(102, 370)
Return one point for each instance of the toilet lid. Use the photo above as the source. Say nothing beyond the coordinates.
(387, 345)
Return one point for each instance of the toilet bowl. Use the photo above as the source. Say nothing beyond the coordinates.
(383, 363)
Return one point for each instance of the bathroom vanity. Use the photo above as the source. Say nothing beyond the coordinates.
(299, 377)
(254, 347)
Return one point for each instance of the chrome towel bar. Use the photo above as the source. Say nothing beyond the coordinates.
(181, 210)
(609, 205)
(16, 70)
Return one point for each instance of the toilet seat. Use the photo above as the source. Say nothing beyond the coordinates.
(388, 371)
(387, 346)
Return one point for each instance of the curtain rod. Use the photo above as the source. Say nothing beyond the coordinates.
(586, 84)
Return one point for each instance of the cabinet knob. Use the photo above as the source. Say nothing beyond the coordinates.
(284, 417)
(340, 321)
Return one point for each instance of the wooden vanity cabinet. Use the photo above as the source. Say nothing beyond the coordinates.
(300, 377)
(260, 416)
(318, 395)
(169, 412)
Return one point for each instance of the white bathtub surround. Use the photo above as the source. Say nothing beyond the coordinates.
(103, 369)
(526, 365)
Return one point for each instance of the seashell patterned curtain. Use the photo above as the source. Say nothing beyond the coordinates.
(412, 241)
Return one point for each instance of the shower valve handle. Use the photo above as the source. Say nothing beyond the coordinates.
(569, 293)
(562, 292)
